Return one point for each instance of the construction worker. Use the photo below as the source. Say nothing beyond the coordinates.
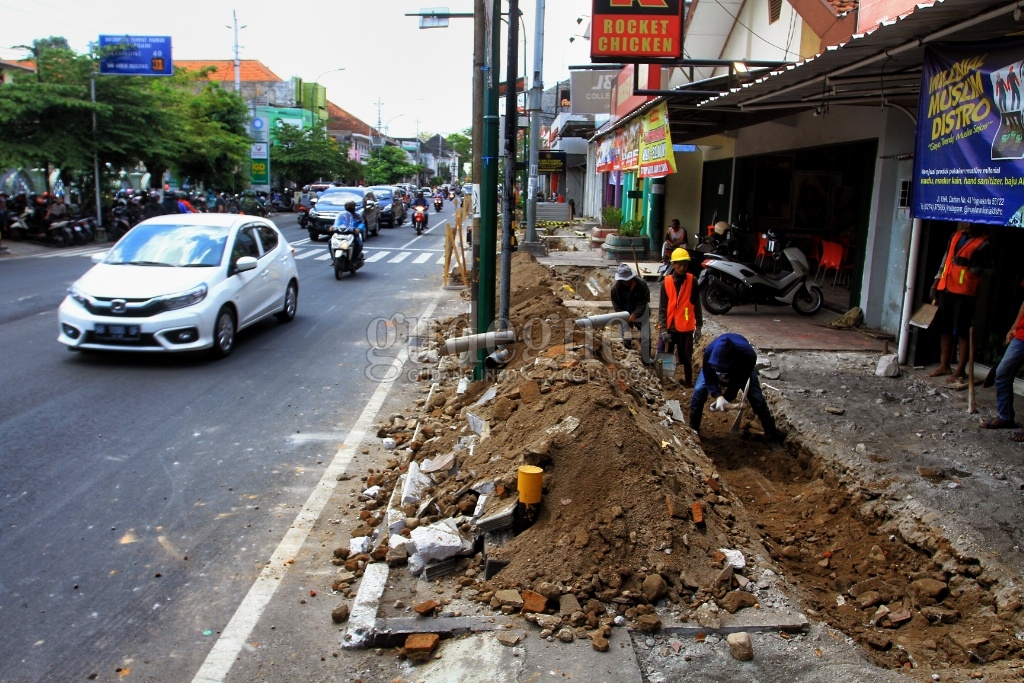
(679, 311)
(631, 294)
(729, 364)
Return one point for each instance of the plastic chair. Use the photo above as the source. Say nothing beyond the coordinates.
(833, 257)
(762, 249)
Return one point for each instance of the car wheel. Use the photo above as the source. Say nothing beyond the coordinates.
(224, 333)
(314, 236)
(291, 303)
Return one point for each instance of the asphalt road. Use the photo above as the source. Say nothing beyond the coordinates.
(141, 495)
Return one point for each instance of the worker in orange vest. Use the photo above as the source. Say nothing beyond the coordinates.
(955, 291)
(679, 310)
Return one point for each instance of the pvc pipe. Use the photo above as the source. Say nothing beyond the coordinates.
(599, 322)
(908, 290)
(475, 342)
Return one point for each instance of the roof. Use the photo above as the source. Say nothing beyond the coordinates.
(339, 119)
(22, 64)
(250, 70)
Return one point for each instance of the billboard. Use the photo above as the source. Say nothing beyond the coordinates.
(969, 151)
(657, 158)
(136, 56)
(591, 91)
(551, 161)
(637, 31)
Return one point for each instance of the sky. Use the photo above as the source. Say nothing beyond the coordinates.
(416, 80)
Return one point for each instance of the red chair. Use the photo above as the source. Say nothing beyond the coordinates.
(762, 249)
(833, 257)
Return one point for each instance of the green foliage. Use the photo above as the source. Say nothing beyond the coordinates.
(611, 217)
(631, 227)
(303, 155)
(389, 165)
(462, 143)
(217, 149)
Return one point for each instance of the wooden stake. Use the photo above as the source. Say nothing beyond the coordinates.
(739, 414)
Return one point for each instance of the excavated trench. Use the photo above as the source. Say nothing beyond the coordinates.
(907, 607)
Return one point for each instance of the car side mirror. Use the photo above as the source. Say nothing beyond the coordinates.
(245, 263)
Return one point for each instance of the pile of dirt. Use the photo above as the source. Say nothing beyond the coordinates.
(621, 478)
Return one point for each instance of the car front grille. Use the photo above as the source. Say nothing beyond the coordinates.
(133, 308)
(144, 341)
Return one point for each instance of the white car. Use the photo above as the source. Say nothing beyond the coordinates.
(183, 282)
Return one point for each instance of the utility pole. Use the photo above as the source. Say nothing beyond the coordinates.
(479, 64)
(532, 244)
(509, 192)
(238, 64)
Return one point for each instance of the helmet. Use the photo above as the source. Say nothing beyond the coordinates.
(680, 254)
(305, 188)
(420, 194)
(170, 193)
(721, 227)
(350, 206)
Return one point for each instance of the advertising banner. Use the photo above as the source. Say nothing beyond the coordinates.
(657, 159)
(591, 91)
(637, 31)
(137, 56)
(627, 157)
(969, 157)
(606, 154)
(259, 172)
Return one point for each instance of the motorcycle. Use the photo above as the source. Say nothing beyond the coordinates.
(724, 284)
(282, 203)
(120, 221)
(29, 227)
(419, 219)
(438, 204)
(343, 243)
(303, 212)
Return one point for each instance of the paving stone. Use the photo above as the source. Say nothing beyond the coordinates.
(568, 605)
(740, 646)
(509, 598)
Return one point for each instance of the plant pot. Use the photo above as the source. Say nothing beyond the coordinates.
(601, 232)
(619, 242)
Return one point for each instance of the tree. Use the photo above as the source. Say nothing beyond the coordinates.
(389, 165)
(304, 155)
(462, 143)
(217, 149)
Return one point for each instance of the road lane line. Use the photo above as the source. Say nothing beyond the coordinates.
(377, 257)
(324, 256)
(422, 258)
(305, 254)
(232, 640)
(440, 261)
(401, 257)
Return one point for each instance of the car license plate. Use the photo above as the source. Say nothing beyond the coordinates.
(116, 332)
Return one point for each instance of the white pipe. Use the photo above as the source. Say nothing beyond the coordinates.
(474, 342)
(908, 290)
(599, 322)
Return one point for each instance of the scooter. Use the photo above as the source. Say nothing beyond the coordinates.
(419, 219)
(27, 227)
(724, 284)
(303, 212)
(343, 243)
(438, 204)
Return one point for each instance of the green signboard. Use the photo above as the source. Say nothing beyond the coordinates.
(259, 172)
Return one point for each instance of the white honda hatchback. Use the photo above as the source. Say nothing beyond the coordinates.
(183, 282)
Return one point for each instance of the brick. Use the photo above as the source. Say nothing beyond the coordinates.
(426, 608)
(713, 484)
(529, 392)
(509, 598)
(533, 602)
(419, 646)
(698, 513)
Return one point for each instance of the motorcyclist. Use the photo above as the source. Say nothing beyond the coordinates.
(348, 220)
(184, 205)
(170, 202)
(248, 204)
(152, 207)
(305, 199)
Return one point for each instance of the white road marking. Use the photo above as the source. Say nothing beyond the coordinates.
(440, 261)
(401, 257)
(422, 258)
(222, 657)
(377, 257)
(326, 256)
(304, 254)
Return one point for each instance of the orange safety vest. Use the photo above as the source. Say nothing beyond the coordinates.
(958, 279)
(680, 315)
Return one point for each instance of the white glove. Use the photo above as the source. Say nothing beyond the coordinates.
(719, 405)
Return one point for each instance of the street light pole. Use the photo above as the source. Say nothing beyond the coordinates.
(536, 93)
(511, 129)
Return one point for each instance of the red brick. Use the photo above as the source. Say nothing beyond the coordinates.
(419, 646)
(426, 608)
(533, 602)
(698, 513)
(713, 484)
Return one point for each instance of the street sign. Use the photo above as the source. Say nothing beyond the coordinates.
(259, 172)
(258, 128)
(137, 56)
(259, 150)
(438, 20)
(551, 161)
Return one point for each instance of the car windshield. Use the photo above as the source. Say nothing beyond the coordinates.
(382, 195)
(339, 198)
(170, 245)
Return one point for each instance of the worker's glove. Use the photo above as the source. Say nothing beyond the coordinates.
(719, 405)
(696, 335)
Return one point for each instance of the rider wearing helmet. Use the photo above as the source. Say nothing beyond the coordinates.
(349, 221)
(248, 204)
(679, 310)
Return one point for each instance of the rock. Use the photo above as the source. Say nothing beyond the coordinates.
(878, 641)
(503, 409)
(548, 590)
(509, 598)
(654, 588)
(397, 557)
(426, 608)
(869, 599)
(737, 600)
(339, 614)
(723, 582)
(419, 646)
(566, 635)
(930, 590)
(740, 646)
(648, 623)
(509, 638)
(940, 615)
(595, 607)
(568, 605)
(707, 616)
(790, 552)
(888, 366)
(548, 621)
(533, 602)
(599, 643)
(341, 553)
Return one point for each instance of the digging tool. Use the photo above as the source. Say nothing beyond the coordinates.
(739, 413)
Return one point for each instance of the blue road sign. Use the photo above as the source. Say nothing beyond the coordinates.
(137, 56)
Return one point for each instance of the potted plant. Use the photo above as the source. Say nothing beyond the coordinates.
(611, 220)
(628, 237)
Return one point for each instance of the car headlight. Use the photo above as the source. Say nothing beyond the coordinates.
(313, 213)
(185, 299)
(78, 295)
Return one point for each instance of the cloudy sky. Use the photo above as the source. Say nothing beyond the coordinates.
(422, 78)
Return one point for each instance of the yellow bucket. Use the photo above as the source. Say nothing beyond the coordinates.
(531, 479)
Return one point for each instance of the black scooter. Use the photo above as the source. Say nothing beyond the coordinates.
(438, 204)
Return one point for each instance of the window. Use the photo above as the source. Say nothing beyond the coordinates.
(905, 186)
(245, 245)
(774, 10)
(268, 236)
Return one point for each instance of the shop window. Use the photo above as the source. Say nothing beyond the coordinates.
(774, 10)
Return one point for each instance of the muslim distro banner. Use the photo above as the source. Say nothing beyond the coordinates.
(657, 159)
(969, 158)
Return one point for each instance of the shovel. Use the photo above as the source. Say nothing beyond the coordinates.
(739, 413)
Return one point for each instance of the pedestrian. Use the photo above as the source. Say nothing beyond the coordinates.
(955, 291)
(1006, 371)
(675, 237)
(729, 364)
(679, 311)
(631, 294)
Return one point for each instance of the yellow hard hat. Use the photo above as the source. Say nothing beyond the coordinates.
(680, 254)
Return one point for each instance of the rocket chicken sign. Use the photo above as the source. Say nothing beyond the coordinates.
(636, 30)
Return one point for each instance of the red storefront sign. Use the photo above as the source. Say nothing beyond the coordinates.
(636, 30)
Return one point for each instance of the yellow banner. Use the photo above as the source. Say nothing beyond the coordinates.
(657, 159)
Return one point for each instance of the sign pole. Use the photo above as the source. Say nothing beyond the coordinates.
(95, 153)
(511, 130)
(534, 104)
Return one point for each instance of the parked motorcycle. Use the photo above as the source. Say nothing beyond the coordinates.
(419, 219)
(343, 243)
(29, 227)
(282, 202)
(724, 284)
(438, 204)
